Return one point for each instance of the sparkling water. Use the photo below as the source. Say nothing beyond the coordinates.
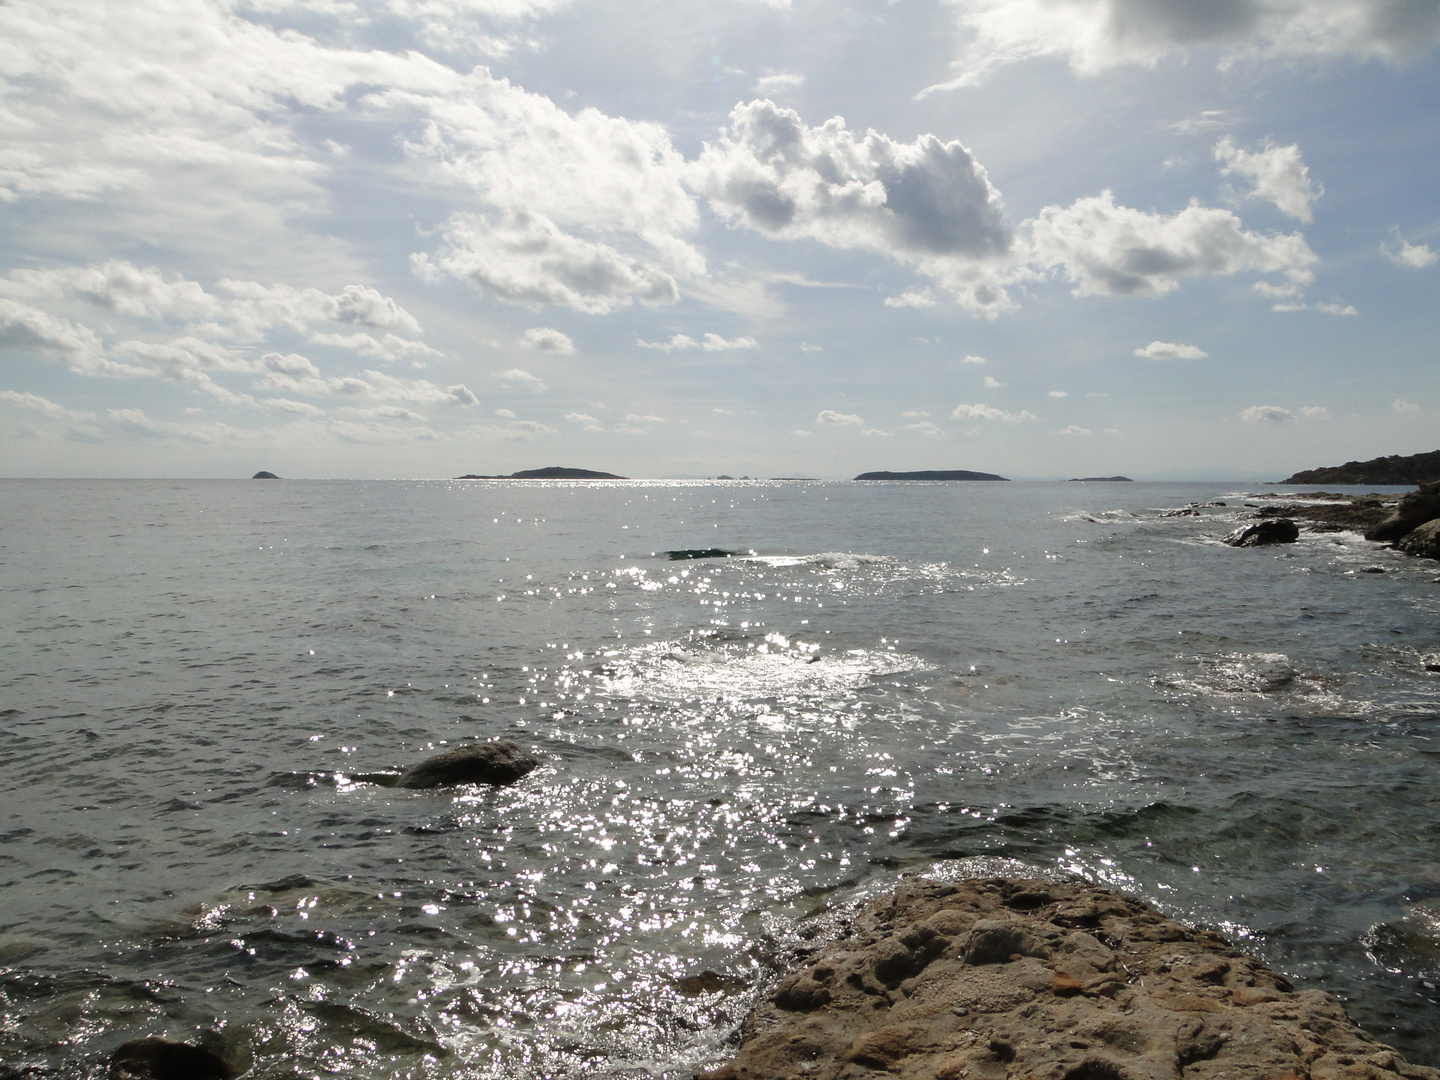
(202, 678)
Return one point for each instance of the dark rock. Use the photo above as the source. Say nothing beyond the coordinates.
(1424, 541)
(931, 474)
(1413, 510)
(1260, 533)
(702, 553)
(1100, 479)
(263, 475)
(497, 763)
(160, 1059)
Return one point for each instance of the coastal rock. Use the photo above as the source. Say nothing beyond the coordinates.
(496, 763)
(930, 474)
(1414, 509)
(1260, 533)
(995, 978)
(160, 1059)
(1423, 541)
(263, 475)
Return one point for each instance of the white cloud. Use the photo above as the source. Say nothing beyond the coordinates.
(1059, 393)
(917, 298)
(1111, 250)
(1277, 174)
(1093, 35)
(505, 414)
(987, 412)
(1415, 256)
(779, 83)
(972, 360)
(544, 339)
(1400, 406)
(1166, 350)
(875, 432)
(24, 327)
(47, 408)
(927, 203)
(1315, 412)
(515, 431)
(1278, 292)
(716, 343)
(1337, 309)
(805, 346)
(927, 429)
(1075, 429)
(992, 383)
(526, 258)
(677, 341)
(1267, 414)
(585, 420)
(519, 379)
(830, 416)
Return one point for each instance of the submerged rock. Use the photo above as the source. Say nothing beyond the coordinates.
(1260, 533)
(160, 1059)
(702, 553)
(1414, 509)
(496, 763)
(1002, 977)
(1423, 541)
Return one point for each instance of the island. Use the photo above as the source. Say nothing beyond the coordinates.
(1396, 470)
(1100, 480)
(550, 472)
(931, 474)
(263, 475)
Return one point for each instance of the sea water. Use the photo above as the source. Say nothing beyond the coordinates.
(198, 677)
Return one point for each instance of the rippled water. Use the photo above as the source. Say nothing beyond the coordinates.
(195, 674)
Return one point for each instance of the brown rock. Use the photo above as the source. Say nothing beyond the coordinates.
(1414, 509)
(497, 763)
(1423, 541)
(1002, 979)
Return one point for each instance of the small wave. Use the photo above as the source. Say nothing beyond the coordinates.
(825, 560)
(1239, 673)
(1099, 517)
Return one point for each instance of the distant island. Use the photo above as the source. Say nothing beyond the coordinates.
(263, 475)
(1100, 480)
(1415, 469)
(550, 472)
(931, 474)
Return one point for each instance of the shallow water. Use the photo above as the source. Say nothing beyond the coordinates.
(195, 674)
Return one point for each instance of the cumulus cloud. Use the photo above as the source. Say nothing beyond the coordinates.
(1111, 250)
(709, 342)
(1415, 256)
(525, 258)
(519, 379)
(926, 428)
(1337, 308)
(987, 412)
(916, 298)
(1315, 412)
(972, 360)
(25, 327)
(585, 420)
(1059, 393)
(830, 416)
(1276, 174)
(47, 408)
(1075, 429)
(1267, 414)
(779, 83)
(1094, 35)
(927, 202)
(1166, 350)
(1400, 406)
(544, 339)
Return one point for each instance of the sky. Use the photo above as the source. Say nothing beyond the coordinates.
(1168, 239)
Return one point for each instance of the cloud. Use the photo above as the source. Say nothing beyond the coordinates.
(830, 416)
(1315, 412)
(972, 360)
(1059, 393)
(585, 420)
(1094, 35)
(1337, 309)
(505, 414)
(1415, 256)
(525, 258)
(779, 83)
(1075, 429)
(1165, 350)
(44, 406)
(1399, 406)
(875, 432)
(519, 379)
(28, 328)
(928, 203)
(987, 412)
(918, 298)
(515, 431)
(1277, 174)
(927, 429)
(992, 383)
(709, 342)
(461, 395)
(1111, 250)
(1267, 414)
(544, 339)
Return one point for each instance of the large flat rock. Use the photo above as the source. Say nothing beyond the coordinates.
(1006, 978)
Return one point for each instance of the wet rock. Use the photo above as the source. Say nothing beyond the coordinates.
(160, 1059)
(496, 763)
(1055, 980)
(1414, 509)
(1424, 541)
(1260, 533)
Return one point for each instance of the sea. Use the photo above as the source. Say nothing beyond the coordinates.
(206, 686)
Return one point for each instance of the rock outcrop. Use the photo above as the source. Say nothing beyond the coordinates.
(1260, 533)
(1424, 541)
(1002, 978)
(1414, 509)
(495, 763)
(160, 1059)
(263, 475)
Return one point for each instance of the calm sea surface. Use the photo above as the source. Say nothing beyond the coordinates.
(194, 674)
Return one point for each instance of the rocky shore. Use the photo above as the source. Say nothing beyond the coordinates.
(988, 979)
(1411, 523)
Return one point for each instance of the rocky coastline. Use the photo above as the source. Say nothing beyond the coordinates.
(996, 978)
(1410, 523)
